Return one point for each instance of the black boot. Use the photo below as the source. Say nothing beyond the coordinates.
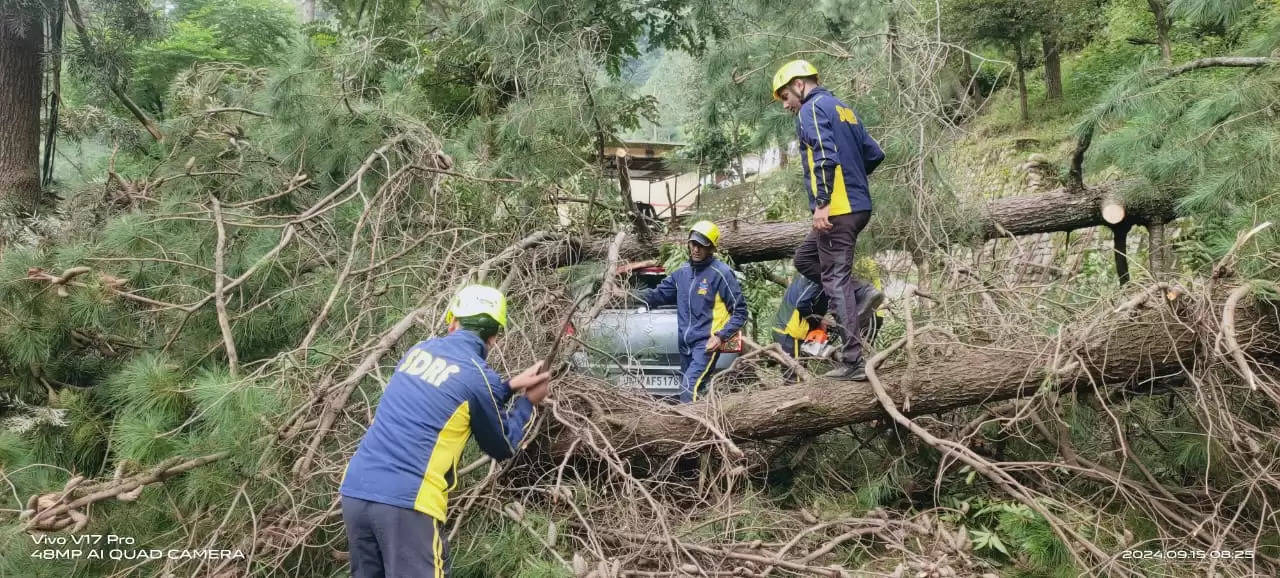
(854, 372)
(868, 304)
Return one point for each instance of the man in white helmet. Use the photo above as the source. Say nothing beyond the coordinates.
(396, 489)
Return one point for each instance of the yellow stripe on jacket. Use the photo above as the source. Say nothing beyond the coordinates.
(839, 204)
(797, 327)
(433, 494)
(719, 315)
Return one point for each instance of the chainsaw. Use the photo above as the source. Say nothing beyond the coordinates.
(816, 343)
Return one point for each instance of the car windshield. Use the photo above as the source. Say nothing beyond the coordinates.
(643, 280)
(639, 282)
(585, 279)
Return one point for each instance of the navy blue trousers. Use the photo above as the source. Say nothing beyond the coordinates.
(389, 541)
(826, 258)
(696, 370)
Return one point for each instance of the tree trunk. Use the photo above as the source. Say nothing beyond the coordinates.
(1062, 209)
(53, 52)
(969, 81)
(1052, 67)
(21, 39)
(308, 9)
(1157, 250)
(737, 152)
(741, 169)
(624, 189)
(1160, 9)
(1022, 94)
(1120, 242)
(1161, 341)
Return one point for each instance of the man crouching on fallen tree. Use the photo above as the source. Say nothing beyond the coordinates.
(799, 324)
(710, 308)
(396, 488)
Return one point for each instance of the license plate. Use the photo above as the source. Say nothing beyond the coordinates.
(654, 382)
(666, 381)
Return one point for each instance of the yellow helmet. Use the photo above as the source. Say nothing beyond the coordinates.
(791, 71)
(705, 233)
(478, 300)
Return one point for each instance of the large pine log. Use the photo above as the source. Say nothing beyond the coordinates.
(1062, 209)
(1160, 341)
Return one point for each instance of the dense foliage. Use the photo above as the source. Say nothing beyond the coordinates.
(344, 174)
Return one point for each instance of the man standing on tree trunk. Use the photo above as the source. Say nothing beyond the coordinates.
(396, 489)
(837, 157)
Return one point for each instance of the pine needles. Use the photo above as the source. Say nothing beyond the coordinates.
(331, 232)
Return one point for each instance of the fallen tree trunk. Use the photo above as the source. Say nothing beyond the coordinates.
(1062, 209)
(1160, 341)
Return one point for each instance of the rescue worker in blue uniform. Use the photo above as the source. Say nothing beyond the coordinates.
(803, 306)
(710, 308)
(395, 490)
(838, 156)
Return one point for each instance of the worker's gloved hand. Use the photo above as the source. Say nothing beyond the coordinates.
(530, 380)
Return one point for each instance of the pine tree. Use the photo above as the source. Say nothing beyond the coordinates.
(21, 43)
(1011, 25)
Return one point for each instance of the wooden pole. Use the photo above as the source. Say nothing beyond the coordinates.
(624, 187)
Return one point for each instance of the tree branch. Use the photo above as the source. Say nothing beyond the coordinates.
(78, 19)
(219, 285)
(164, 471)
(1076, 174)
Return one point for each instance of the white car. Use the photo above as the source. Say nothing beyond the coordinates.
(636, 346)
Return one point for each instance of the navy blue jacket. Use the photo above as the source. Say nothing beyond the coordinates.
(838, 154)
(441, 392)
(708, 299)
(802, 300)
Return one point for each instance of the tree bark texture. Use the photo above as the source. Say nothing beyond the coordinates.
(1160, 9)
(53, 56)
(968, 74)
(1120, 243)
(308, 9)
(1157, 254)
(1052, 67)
(1022, 94)
(624, 189)
(21, 39)
(1161, 339)
(1062, 209)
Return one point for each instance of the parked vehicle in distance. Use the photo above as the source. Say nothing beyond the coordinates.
(636, 346)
